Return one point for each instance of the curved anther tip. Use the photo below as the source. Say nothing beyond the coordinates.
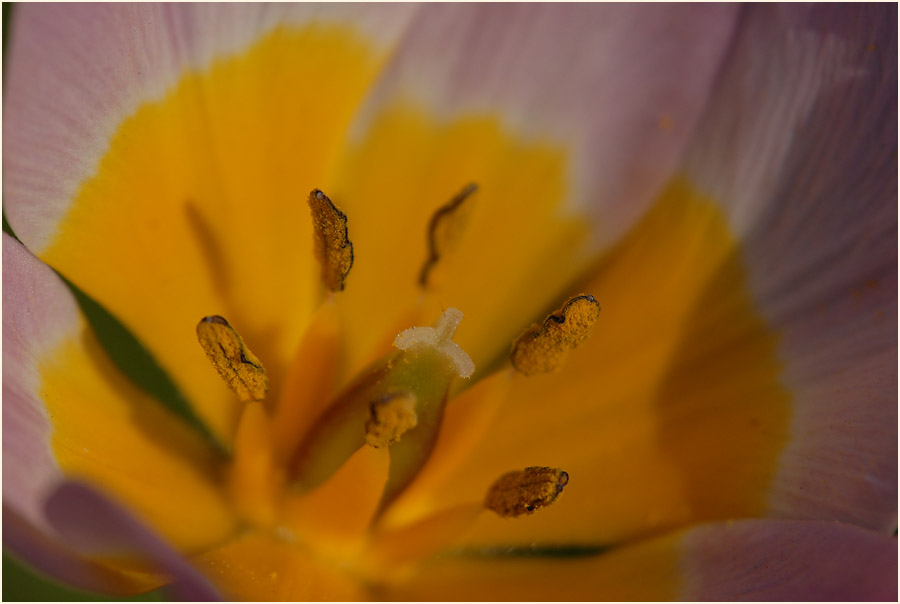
(214, 319)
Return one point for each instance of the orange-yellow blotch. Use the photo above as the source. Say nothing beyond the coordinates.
(240, 368)
(332, 244)
(443, 229)
(542, 349)
(389, 418)
(525, 491)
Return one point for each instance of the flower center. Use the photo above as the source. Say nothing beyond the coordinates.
(395, 404)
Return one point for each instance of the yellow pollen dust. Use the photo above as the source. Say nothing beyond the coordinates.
(240, 368)
(444, 228)
(439, 337)
(389, 418)
(542, 349)
(525, 491)
(332, 245)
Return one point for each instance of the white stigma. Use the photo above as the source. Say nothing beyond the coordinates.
(439, 337)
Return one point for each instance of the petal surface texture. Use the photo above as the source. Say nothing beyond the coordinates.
(39, 316)
(751, 560)
(799, 148)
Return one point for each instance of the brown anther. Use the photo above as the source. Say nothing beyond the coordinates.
(332, 245)
(389, 418)
(240, 368)
(442, 228)
(542, 349)
(525, 491)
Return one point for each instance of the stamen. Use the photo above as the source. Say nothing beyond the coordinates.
(439, 337)
(332, 246)
(240, 368)
(525, 491)
(543, 349)
(423, 370)
(443, 229)
(390, 417)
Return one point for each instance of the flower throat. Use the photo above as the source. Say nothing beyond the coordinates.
(396, 403)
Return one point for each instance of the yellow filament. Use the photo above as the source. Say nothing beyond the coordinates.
(542, 349)
(240, 368)
(254, 481)
(525, 491)
(391, 416)
(332, 247)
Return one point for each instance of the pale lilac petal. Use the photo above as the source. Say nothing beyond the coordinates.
(51, 557)
(620, 85)
(799, 146)
(38, 314)
(741, 560)
(75, 71)
(92, 524)
(766, 560)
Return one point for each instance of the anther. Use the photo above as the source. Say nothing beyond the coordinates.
(240, 368)
(390, 416)
(542, 349)
(442, 230)
(525, 491)
(332, 245)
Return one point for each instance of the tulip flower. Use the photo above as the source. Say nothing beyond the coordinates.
(552, 302)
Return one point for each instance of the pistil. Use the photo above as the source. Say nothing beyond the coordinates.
(410, 383)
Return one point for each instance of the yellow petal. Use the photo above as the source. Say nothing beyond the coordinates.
(645, 572)
(405, 166)
(111, 434)
(261, 568)
(199, 205)
(676, 414)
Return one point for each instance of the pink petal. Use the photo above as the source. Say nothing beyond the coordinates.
(799, 145)
(76, 71)
(624, 85)
(95, 525)
(38, 313)
(768, 560)
(41, 551)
